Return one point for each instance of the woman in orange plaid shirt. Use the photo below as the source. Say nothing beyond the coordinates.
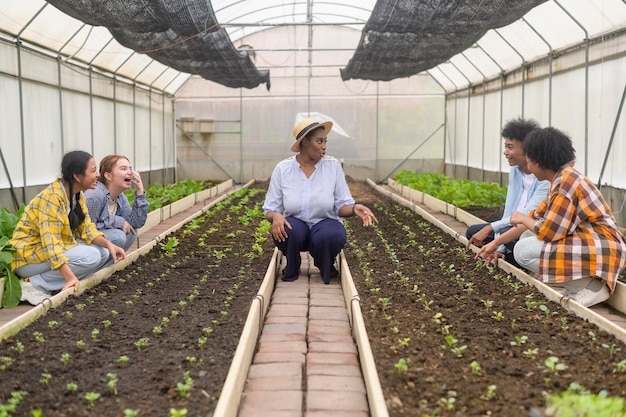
(571, 239)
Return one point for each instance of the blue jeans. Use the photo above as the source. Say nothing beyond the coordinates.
(83, 260)
(323, 241)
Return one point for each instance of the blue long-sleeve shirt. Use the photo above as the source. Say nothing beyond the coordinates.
(311, 199)
(536, 194)
(97, 204)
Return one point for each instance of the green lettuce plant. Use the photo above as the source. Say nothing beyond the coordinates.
(459, 192)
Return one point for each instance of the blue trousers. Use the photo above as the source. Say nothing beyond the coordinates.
(323, 241)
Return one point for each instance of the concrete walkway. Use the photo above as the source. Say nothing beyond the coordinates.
(306, 364)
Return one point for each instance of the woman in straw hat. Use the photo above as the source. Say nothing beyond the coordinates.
(307, 197)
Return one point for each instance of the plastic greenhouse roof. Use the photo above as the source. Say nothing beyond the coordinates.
(550, 26)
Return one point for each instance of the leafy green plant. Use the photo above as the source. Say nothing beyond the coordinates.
(459, 192)
(12, 288)
(577, 403)
(169, 246)
(91, 398)
(401, 366)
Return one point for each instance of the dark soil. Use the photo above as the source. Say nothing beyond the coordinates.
(418, 286)
(413, 282)
(201, 286)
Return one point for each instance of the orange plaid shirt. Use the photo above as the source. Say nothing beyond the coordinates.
(580, 233)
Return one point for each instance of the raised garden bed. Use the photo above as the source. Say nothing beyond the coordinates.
(156, 336)
(448, 336)
(451, 337)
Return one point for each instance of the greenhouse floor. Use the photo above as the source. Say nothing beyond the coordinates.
(306, 349)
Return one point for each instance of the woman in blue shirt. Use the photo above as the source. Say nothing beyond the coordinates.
(307, 197)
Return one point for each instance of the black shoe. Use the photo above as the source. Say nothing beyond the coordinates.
(292, 278)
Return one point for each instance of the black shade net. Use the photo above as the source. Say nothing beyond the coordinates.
(182, 34)
(405, 37)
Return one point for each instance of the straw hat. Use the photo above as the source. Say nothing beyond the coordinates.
(304, 126)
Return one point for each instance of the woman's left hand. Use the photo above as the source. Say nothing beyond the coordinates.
(117, 253)
(365, 214)
(138, 183)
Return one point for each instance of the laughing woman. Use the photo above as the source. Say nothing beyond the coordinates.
(56, 244)
(109, 208)
(307, 196)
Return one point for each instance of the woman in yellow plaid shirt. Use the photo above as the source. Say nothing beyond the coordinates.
(572, 239)
(56, 242)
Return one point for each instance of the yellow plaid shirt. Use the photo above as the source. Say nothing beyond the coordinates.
(43, 232)
(580, 233)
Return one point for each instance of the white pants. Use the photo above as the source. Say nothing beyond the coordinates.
(527, 251)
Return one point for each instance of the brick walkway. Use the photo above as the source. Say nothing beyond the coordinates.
(306, 364)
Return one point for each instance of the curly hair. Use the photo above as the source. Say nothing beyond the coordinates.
(549, 148)
(519, 128)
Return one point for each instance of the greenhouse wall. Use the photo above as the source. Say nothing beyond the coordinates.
(52, 107)
(389, 126)
(586, 89)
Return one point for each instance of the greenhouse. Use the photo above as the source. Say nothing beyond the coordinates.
(211, 91)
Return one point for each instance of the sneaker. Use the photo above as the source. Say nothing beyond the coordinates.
(588, 298)
(31, 294)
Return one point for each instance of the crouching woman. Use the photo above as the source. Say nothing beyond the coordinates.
(56, 242)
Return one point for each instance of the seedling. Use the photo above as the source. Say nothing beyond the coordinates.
(114, 313)
(487, 303)
(123, 360)
(401, 366)
(95, 333)
(65, 358)
(45, 378)
(207, 331)
(490, 394)
(91, 398)
(519, 340)
(5, 363)
(106, 323)
(19, 347)
(80, 344)
(53, 324)
(157, 330)
(202, 342)
(498, 316)
(169, 246)
(448, 403)
(112, 383)
(130, 412)
(552, 365)
(178, 413)
(612, 348)
(531, 353)
(475, 367)
(141, 343)
(80, 307)
(564, 326)
(545, 309)
(72, 387)
(39, 337)
(459, 350)
(184, 388)
(404, 342)
(386, 302)
(620, 366)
